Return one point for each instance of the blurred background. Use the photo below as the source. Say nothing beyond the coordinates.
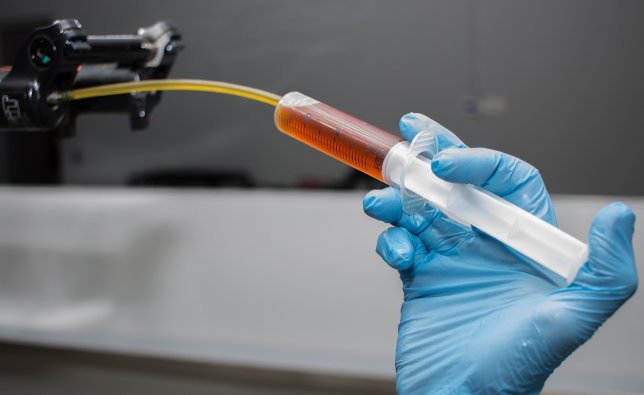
(211, 253)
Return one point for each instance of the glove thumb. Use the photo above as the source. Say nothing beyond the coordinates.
(609, 277)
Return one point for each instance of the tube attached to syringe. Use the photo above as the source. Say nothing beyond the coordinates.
(390, 159)
(402, 165)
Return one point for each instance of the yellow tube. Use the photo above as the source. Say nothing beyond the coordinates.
(167, 85)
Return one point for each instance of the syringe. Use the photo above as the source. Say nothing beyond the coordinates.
(402, 164)
(388, 158)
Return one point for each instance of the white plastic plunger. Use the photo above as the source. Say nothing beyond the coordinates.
(408, 167)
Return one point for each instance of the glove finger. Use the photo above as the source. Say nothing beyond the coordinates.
(438, 232)
(413, 123)
(511, 178)
(385, 205)
(400, 249)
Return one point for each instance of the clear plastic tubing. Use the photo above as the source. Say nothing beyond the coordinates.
(400, 164)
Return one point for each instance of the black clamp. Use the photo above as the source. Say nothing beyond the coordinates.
(61, 57)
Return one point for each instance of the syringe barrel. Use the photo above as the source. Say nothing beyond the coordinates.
(390, 159)
(340, 135)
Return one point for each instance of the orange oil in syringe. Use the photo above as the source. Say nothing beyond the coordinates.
(346, 138)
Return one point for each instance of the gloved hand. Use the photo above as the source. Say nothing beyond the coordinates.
(478, 317)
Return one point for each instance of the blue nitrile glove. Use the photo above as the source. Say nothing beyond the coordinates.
(478, 317)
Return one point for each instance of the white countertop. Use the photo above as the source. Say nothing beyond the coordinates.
(264, 278)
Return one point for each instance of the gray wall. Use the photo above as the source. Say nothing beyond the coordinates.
(559, 84)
